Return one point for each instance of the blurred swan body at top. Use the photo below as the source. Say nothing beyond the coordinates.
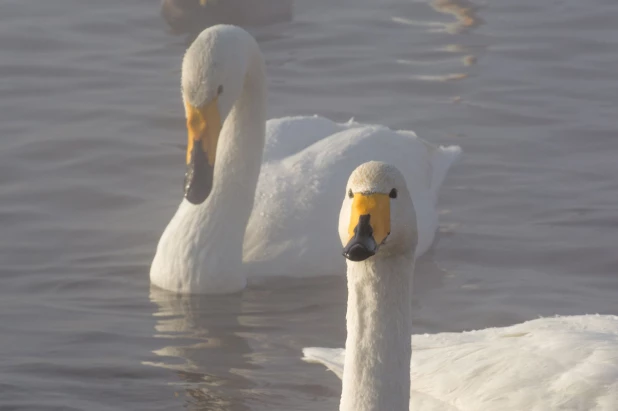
(191, 16)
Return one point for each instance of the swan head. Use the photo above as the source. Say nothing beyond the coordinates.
(214, 69)
(377, 217)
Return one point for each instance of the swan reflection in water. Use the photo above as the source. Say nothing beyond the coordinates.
(204, 348)
(242, 351)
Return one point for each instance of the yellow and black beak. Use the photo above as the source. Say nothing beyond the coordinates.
(204, 126)
(370, 224)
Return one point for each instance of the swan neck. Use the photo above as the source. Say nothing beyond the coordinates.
(201, 250)
(239, 155)
(222, 219)
(378, 346)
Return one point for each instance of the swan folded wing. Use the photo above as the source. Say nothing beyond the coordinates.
(290, 135)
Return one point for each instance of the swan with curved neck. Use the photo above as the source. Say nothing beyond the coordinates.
(377, 227)
(223, 164)
(257, 194)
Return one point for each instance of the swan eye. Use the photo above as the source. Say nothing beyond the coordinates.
(350, 193)
(393, 193)
(220, 90)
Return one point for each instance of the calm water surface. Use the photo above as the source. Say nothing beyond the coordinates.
(91, 170)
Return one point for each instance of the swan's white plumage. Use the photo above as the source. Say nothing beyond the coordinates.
(286, 217)
(557, 364)
(378, 316)
(560, 363)
(307, 161)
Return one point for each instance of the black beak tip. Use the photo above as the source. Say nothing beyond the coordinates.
(197, 187)
(199, 176)
(196, 196)
(357, 252)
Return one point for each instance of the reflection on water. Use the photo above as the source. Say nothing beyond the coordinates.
(464, 11)
(233, 352)
(203, 348)
(207, 340)
(467, 18)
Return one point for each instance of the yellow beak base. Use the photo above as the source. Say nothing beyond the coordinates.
(370, 224)
(204, 127)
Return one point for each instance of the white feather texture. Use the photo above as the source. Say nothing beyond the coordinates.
(378, 318)
(557, 364)
(561, 363)
(276, 183)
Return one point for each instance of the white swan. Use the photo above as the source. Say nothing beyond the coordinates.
(562, 363)
(279, 224)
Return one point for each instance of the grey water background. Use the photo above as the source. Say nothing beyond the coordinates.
(91, 166)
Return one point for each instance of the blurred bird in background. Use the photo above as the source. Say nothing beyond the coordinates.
(189, 16)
